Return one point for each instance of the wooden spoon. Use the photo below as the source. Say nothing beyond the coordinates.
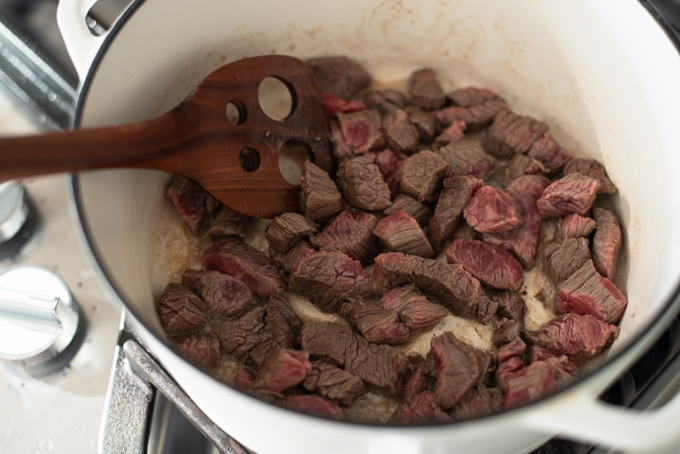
(237, 164)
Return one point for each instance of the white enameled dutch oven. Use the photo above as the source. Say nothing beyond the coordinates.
(602, 73)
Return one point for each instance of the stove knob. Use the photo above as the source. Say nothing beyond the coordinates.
(38, 318)
(17, 218)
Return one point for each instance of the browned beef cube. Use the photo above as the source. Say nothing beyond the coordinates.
(424, 90)
(511, 133)
(592, 169)
(328, 341)
(466, 157)
(390, 164)
(417, 381)
(474, 117)
(574, 226)
(334, 383)
(421, 213)
(381, 367)
(549, 153)
(399, 232)
(313, 404)
(513, 349)
(282, 369)
(385, 101)
(287, 229)
(453, 199)
(223, 295)
(523, 165)
(459, 368)
(203, 349)
(334, 105)
(422, 175)
(319, 196)
(229, 222)
(492, 210)
(180, 310)
(529, 384)
(362, 184)
(454, 287)
(424, 122)
(564, 259)
(328, 278)
(510, 305)
(480, 401)
(339, 76)
(413, 308)
(573, 334)
(191, 202)
(235, 258)
(284, 260)
(574, 193)
(506, 369)
(422, 409)
(351, 233)
(606, 243)
(587, 292)
(523, 241)
(451, 134)
(244, 378)
(362, 130)
(538, 353)
(491, 265)
(401, 134)
(507, 331)
(375, 323)
(341, 149)
(245, 335)
(471, 96)
(281, 328)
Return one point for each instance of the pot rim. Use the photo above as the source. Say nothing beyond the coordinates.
(651, 332)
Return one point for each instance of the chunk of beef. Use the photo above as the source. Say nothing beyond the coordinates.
(203, 349)
(459, 368)
(385, 101)
(421, 213)
(381, 367)
(191, 202)
(245, 334)
(466, 157)
(244, 378)
(334, 383)
(480, 401)
(538, 353)
(390, 165)
(529, 384)
(328, 278)
(549, 153)
(592, 169)
(587, 292)
(574, 193)
(606, 243)
(425, 91)
(362, 130)
(523, 241)
(521, 164)
(451, 134)
(284, 260)
(417, 381)
(351, 233)
(229, 222)
(510, 305)
(574, 226)
(454, 287)
(334, 105)
(471, 96)
(401, 134)
(319, 196)
(287, 229)
(330, 342)
(515, 348)
(223, 295)
(422, 175)
(422, 409)
(424, 122)
(399, 232)
(562, 369)
(491, 210)
(413, 308)
(506, 369)
(491, 265)
(563, 259)
(341, 149)
(281, 328)
(511, 133)
(457, 192)
(180, 310)
(474, 116)
(574, 334)
(507, 331)
(339, 76)
(362, 184)
(375, 323)
(313, 404)
(282, 369)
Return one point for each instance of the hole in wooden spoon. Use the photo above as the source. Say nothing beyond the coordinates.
(292, 154)
(277, 98)
(249, 158)
(236, 112)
